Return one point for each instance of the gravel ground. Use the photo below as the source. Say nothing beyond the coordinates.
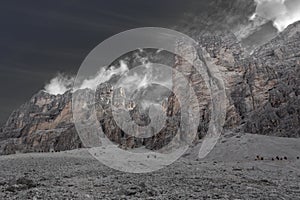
(77, 175)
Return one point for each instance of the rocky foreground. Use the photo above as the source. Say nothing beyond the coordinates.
(231, 171)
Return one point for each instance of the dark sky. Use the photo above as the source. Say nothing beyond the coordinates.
(38, 39)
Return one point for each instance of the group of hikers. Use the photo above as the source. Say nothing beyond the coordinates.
(258, 157)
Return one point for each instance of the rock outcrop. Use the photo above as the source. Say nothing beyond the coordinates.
(274, 82)
(41, 125)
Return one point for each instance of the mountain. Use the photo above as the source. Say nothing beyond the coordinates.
(43, 124)
(263, 97)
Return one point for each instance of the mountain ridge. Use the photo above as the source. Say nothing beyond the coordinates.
(262, 89)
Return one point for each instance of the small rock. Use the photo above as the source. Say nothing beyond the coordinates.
(25, 181)
(237, 169)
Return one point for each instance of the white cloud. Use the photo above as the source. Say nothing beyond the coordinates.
(281, 12)
(62, 83)
(103, 75)
(59, 84)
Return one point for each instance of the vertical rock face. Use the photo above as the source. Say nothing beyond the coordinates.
(126, 112)
(262, 89)
(226, 53)
(276, 86)
(263, 97)
(42, 124)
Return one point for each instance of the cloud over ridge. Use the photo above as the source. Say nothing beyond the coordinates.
(62, 83)
(281, 12)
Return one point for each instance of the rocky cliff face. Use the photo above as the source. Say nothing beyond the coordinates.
(274, 84)
(41, 125)
(262, 90)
